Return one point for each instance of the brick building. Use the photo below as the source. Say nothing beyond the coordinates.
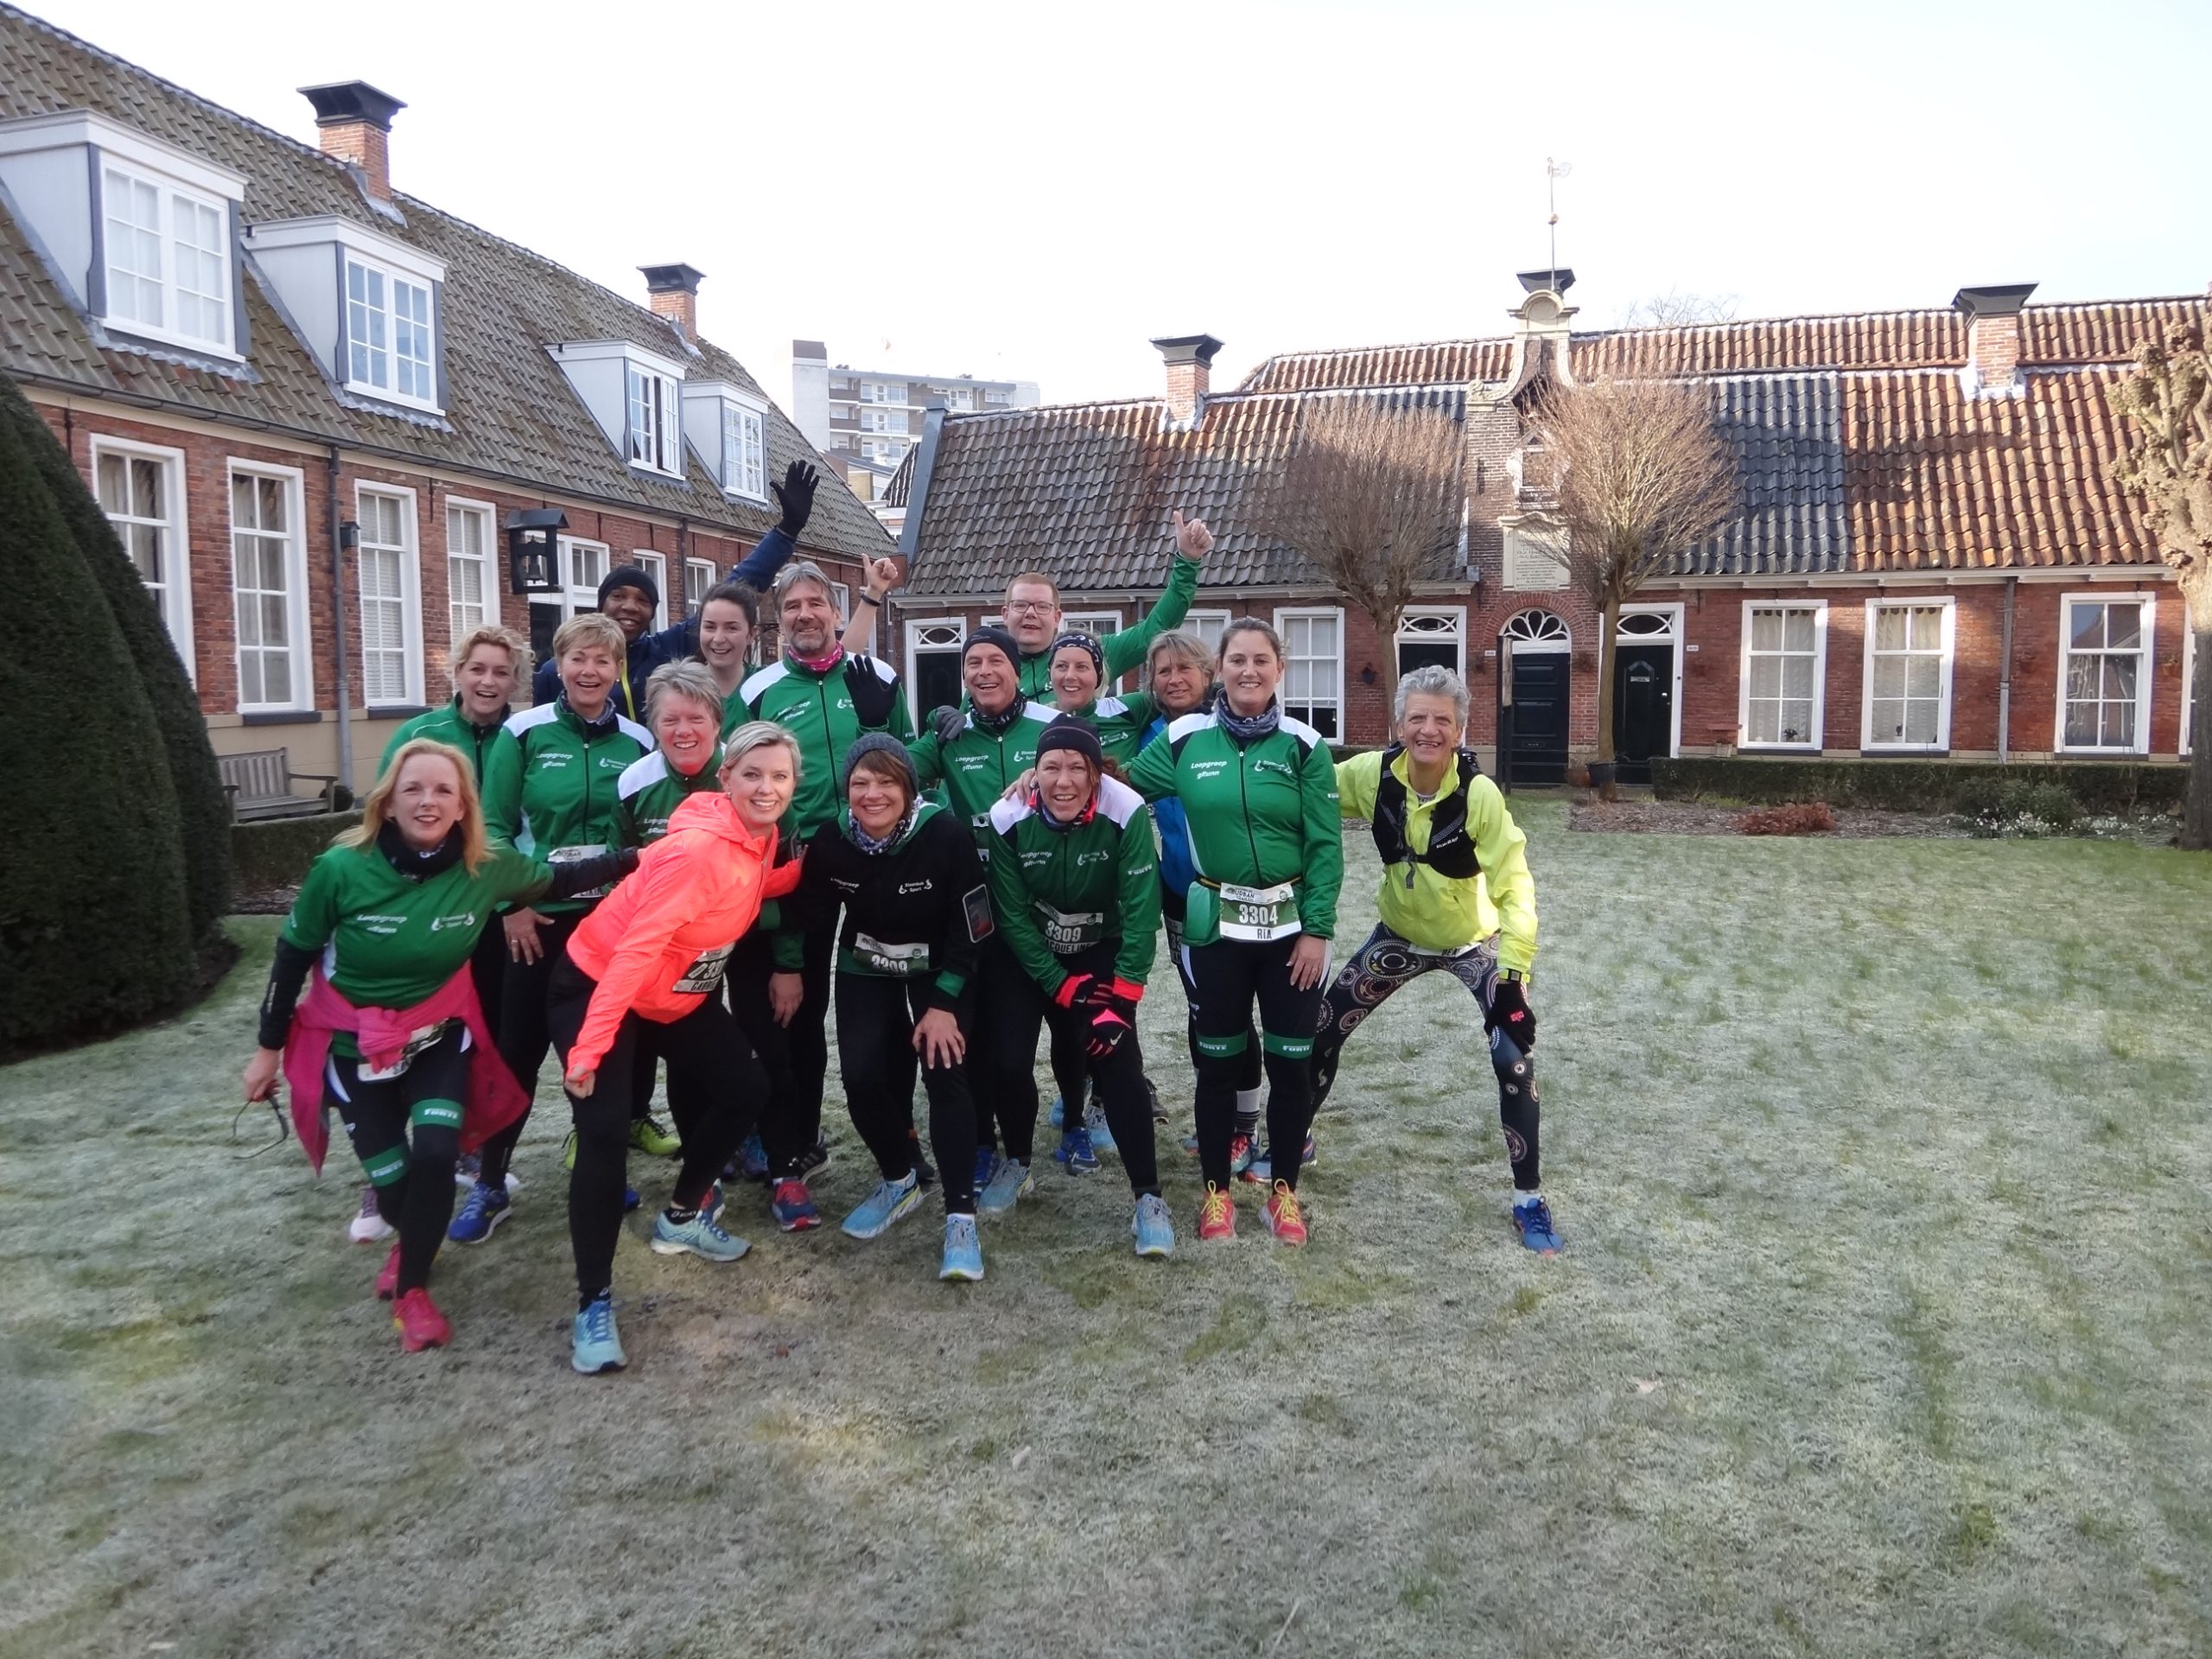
(313, 405)
(1931, 557)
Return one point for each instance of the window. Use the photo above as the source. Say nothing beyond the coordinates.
(471, 599)
(391, 629)
(1783, 650)
(1908, 675)
(2104, 677)
(585, 564)
(933, 667)
(269, 589)
(841, 595)
(960, 398)
(1207, 625)
(168, 259)
(1432, 638)
(1313, 667)
(388, 335)
(698, 582)
(881, 393)
(655, 566)
(141, 488)
(745, 454)
(656, 431)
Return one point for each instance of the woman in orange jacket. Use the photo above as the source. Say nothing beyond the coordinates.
(654, 950)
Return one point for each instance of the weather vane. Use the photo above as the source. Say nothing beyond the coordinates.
(1554, 172)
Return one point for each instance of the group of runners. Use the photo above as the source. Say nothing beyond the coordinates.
(690, 892)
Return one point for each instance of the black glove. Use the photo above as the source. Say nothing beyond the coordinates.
(1120, 994)
(795, 495)
(947, 723)
(1509, 1012)
(1107, 1030)
(1074, 989)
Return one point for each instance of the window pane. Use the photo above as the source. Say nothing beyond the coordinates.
(1889, 720)
(1797, 631)
(202, 271)
(275, 619)
(135, 280)
(1766, 631)
(1891, 629)
(1796, 720)
(1765, 723)
(1928, 627)
(1889, 679)
(1766, 677)
(2120, 679)
(277, 677)
(1925, 676)
(2088, 624)
(112, 480)
(1920, 722)
(145, 541)
(2123, 626)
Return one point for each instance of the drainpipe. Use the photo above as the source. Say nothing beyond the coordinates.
(338, 542)
(2004, 679)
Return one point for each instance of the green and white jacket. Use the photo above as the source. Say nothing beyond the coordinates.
(977, 767)
(1060, 888)
(551, 783)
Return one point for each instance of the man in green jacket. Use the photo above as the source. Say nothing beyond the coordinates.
(977, 752)
(1032, 614)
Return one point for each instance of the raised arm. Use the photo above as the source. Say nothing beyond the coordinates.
(1126, 649)
(859, 628)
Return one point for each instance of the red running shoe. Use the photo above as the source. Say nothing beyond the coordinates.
(388, 1276)
(421, 1324)
(1217, 1215)
(1285, 1219)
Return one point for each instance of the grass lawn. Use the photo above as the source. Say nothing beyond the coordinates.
(1886, 1179)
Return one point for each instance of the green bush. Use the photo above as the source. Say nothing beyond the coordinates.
(2096, 786)
(276, 852)
(203, 809)
(95, 931)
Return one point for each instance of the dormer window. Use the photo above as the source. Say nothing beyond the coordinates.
(729, 426)
(636, 396)
(744, 451)
(366, 304)
(168, 259)
(388, 333)
(656, 421)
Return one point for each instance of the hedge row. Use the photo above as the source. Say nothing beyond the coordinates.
(2100, 786)
(276, 852)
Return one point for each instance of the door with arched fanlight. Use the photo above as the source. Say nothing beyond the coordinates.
(1644, 671)
(1535, 646)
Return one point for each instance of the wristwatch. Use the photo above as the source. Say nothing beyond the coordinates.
(1513, 975)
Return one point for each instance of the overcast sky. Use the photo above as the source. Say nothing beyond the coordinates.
(1034, 191)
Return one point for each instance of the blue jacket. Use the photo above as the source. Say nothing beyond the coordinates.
(649, 650)
(1177, 870)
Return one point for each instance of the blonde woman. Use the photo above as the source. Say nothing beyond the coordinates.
(390, 1029)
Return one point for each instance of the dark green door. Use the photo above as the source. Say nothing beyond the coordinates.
(1644, 709)
(1540, 720)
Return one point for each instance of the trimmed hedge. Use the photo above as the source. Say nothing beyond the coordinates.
(2099, 786)
(276, 852)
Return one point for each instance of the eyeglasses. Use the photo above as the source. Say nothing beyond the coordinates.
(1033, 607)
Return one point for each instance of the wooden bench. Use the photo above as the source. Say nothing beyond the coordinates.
(260, 786)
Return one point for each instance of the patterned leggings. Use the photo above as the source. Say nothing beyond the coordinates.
(1387, 961)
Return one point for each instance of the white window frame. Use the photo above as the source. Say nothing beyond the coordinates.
(302, 646)
(1675, 613)
(167, 193)
(2146, 656)
(388, 312)
(658, 448)
(1457, 633)
(879, 393)
(2189, 666)
(699, 580)
(1819, 607)
(1198, 622)
(656, 566)
(411, 594)
(1868, 742)
(578, 598)
(736, 480)
(1335, 613)
(952, 633)
(175, 596)
(458, 627)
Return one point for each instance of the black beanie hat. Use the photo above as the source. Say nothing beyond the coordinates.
(882, 743)
(998, 639)
(1086, 643)
(1068, 732)
(630, 576)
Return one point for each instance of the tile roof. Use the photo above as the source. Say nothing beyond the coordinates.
(1787, 432)
(510, 413)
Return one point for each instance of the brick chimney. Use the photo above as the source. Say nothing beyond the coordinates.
(1992, 338)
(1190, 374)
(673, 292)
(353, 122)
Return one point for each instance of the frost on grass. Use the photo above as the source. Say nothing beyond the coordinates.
(1883, 1169)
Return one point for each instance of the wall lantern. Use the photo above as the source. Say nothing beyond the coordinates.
(533, 550)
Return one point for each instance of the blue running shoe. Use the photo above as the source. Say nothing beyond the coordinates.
(1059, 1111)
(964, 1251)
(752, 1160)
(1155, 1233)
(1008, 1186)
(792, 1207)
(596, 1346)
(889, 1201)
(987, 1165)
(1094, 1125)
(1534, 1219)
(1262, 1166)
(630, 1199)
(1075, 1151)
(484, 1209)
(700, 1235)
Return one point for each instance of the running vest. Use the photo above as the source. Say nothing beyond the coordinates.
(1451, 849)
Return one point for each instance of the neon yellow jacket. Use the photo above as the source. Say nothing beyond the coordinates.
(1436, 912)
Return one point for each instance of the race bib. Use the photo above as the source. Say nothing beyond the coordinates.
(1255, 915)
(575, 856)
(1068, 933)
(896, 960)
(417, 1041)
(706, 973)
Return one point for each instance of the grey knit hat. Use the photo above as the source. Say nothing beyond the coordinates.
(882, 743)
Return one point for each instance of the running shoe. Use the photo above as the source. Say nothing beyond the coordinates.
(816, 1158)
(1094, 1123)
(1262, 1166)
(388, 1276)
(964, 1251)
(595, 1344)
(1155, 1233)
(1190, 1144)
(1534, 1222)
(987, 1165)
(1010, 1185)
(1285, 1219)
(368, 1225)
(752, 1160)
(792, 1207)
(1217, 1214)
(701, 1236)
(469, 1167)
(630, 1199)
(891, 1201)
(421, 1324)
(715, 1203)
(1075, 1151)
(1242, 1149)
(484, 1209)
(648, 1137)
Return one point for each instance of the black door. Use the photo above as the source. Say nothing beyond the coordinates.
(1540, 721)
(1644, 709)
(544, 622)
(937, 683)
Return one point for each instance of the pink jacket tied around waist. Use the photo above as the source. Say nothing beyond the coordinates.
(495, 1099)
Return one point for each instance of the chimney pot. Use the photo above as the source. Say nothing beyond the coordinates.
(673, 292)
(1992, 312)
(1555, 282)
(354, 123)
(1190, 374)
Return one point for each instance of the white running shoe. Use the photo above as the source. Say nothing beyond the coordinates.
(368, 1225)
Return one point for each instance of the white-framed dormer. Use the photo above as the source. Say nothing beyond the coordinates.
(636, 396)
(1905, 702)
(143, 235)
(141, 488)
(727, 426)
(1781, 683)
(2104, 672)
(368, 305)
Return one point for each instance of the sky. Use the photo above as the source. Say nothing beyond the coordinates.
(1035, 191)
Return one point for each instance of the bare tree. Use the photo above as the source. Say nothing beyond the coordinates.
(1675, 310)
(2168, 400)
(1639, 473)
(1371, 497)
